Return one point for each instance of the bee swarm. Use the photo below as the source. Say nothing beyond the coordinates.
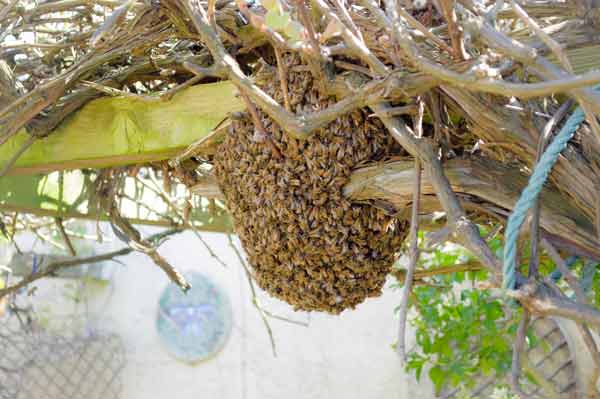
(306, 243)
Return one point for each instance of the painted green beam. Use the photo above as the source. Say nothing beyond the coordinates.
(113, 131)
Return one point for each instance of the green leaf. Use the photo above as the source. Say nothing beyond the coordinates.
(425, 343)
(270, 5)
(416, 362)
(437, 376)
(277, 21)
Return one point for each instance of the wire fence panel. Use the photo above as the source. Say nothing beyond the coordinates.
(73, 363)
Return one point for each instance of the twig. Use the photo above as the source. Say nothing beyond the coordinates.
(420, 275)
(415, 24)
(260, 134)
(168, 95)
(463, 230)
(357, 46)
(65, 236)
(410, 109)
(458, 45)
(54, 267)
(210, 12)
(167, 200)
(133, 236)
(552, 44)
(558, 51)
(470, 81)
(281, 318)
(203, 72)
(414, 243)
(6, 9)
(48, 240)
(255, 302)
(347, 19)
(111, 91)
(579, 294)
(564, 269)
(314, 55)
(517, 350)
(281, 69)
(109, 25)
(197, 145)
(353, 67)
(529, 56)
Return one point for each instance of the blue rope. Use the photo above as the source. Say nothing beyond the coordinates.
(530, 194)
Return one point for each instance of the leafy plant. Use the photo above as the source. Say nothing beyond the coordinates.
(461, 331)
(461, 335)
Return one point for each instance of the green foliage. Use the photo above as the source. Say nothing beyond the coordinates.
(281, 21)
(461, 331)
(460, 335)
(596, 289)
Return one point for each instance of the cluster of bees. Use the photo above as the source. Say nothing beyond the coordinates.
(306, 243)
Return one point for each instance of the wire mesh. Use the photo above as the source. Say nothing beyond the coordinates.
(549, 359)
(77, 363)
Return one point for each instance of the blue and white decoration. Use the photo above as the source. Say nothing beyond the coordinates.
(196, 325)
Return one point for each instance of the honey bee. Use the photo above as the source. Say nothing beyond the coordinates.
(306, 243)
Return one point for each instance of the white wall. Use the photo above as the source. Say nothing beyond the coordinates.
(346, 356)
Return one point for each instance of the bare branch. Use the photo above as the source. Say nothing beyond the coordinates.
(542, 301)
(255, 301)
(557, 49)
(415, 24)
(458, 45)
(133, 236)
(414, 243)
(517, 350)
(65, 236)
(52, 268)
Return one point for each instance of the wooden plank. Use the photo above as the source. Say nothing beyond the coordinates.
(113, 131)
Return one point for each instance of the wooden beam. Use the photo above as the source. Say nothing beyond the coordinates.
(113, 131)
